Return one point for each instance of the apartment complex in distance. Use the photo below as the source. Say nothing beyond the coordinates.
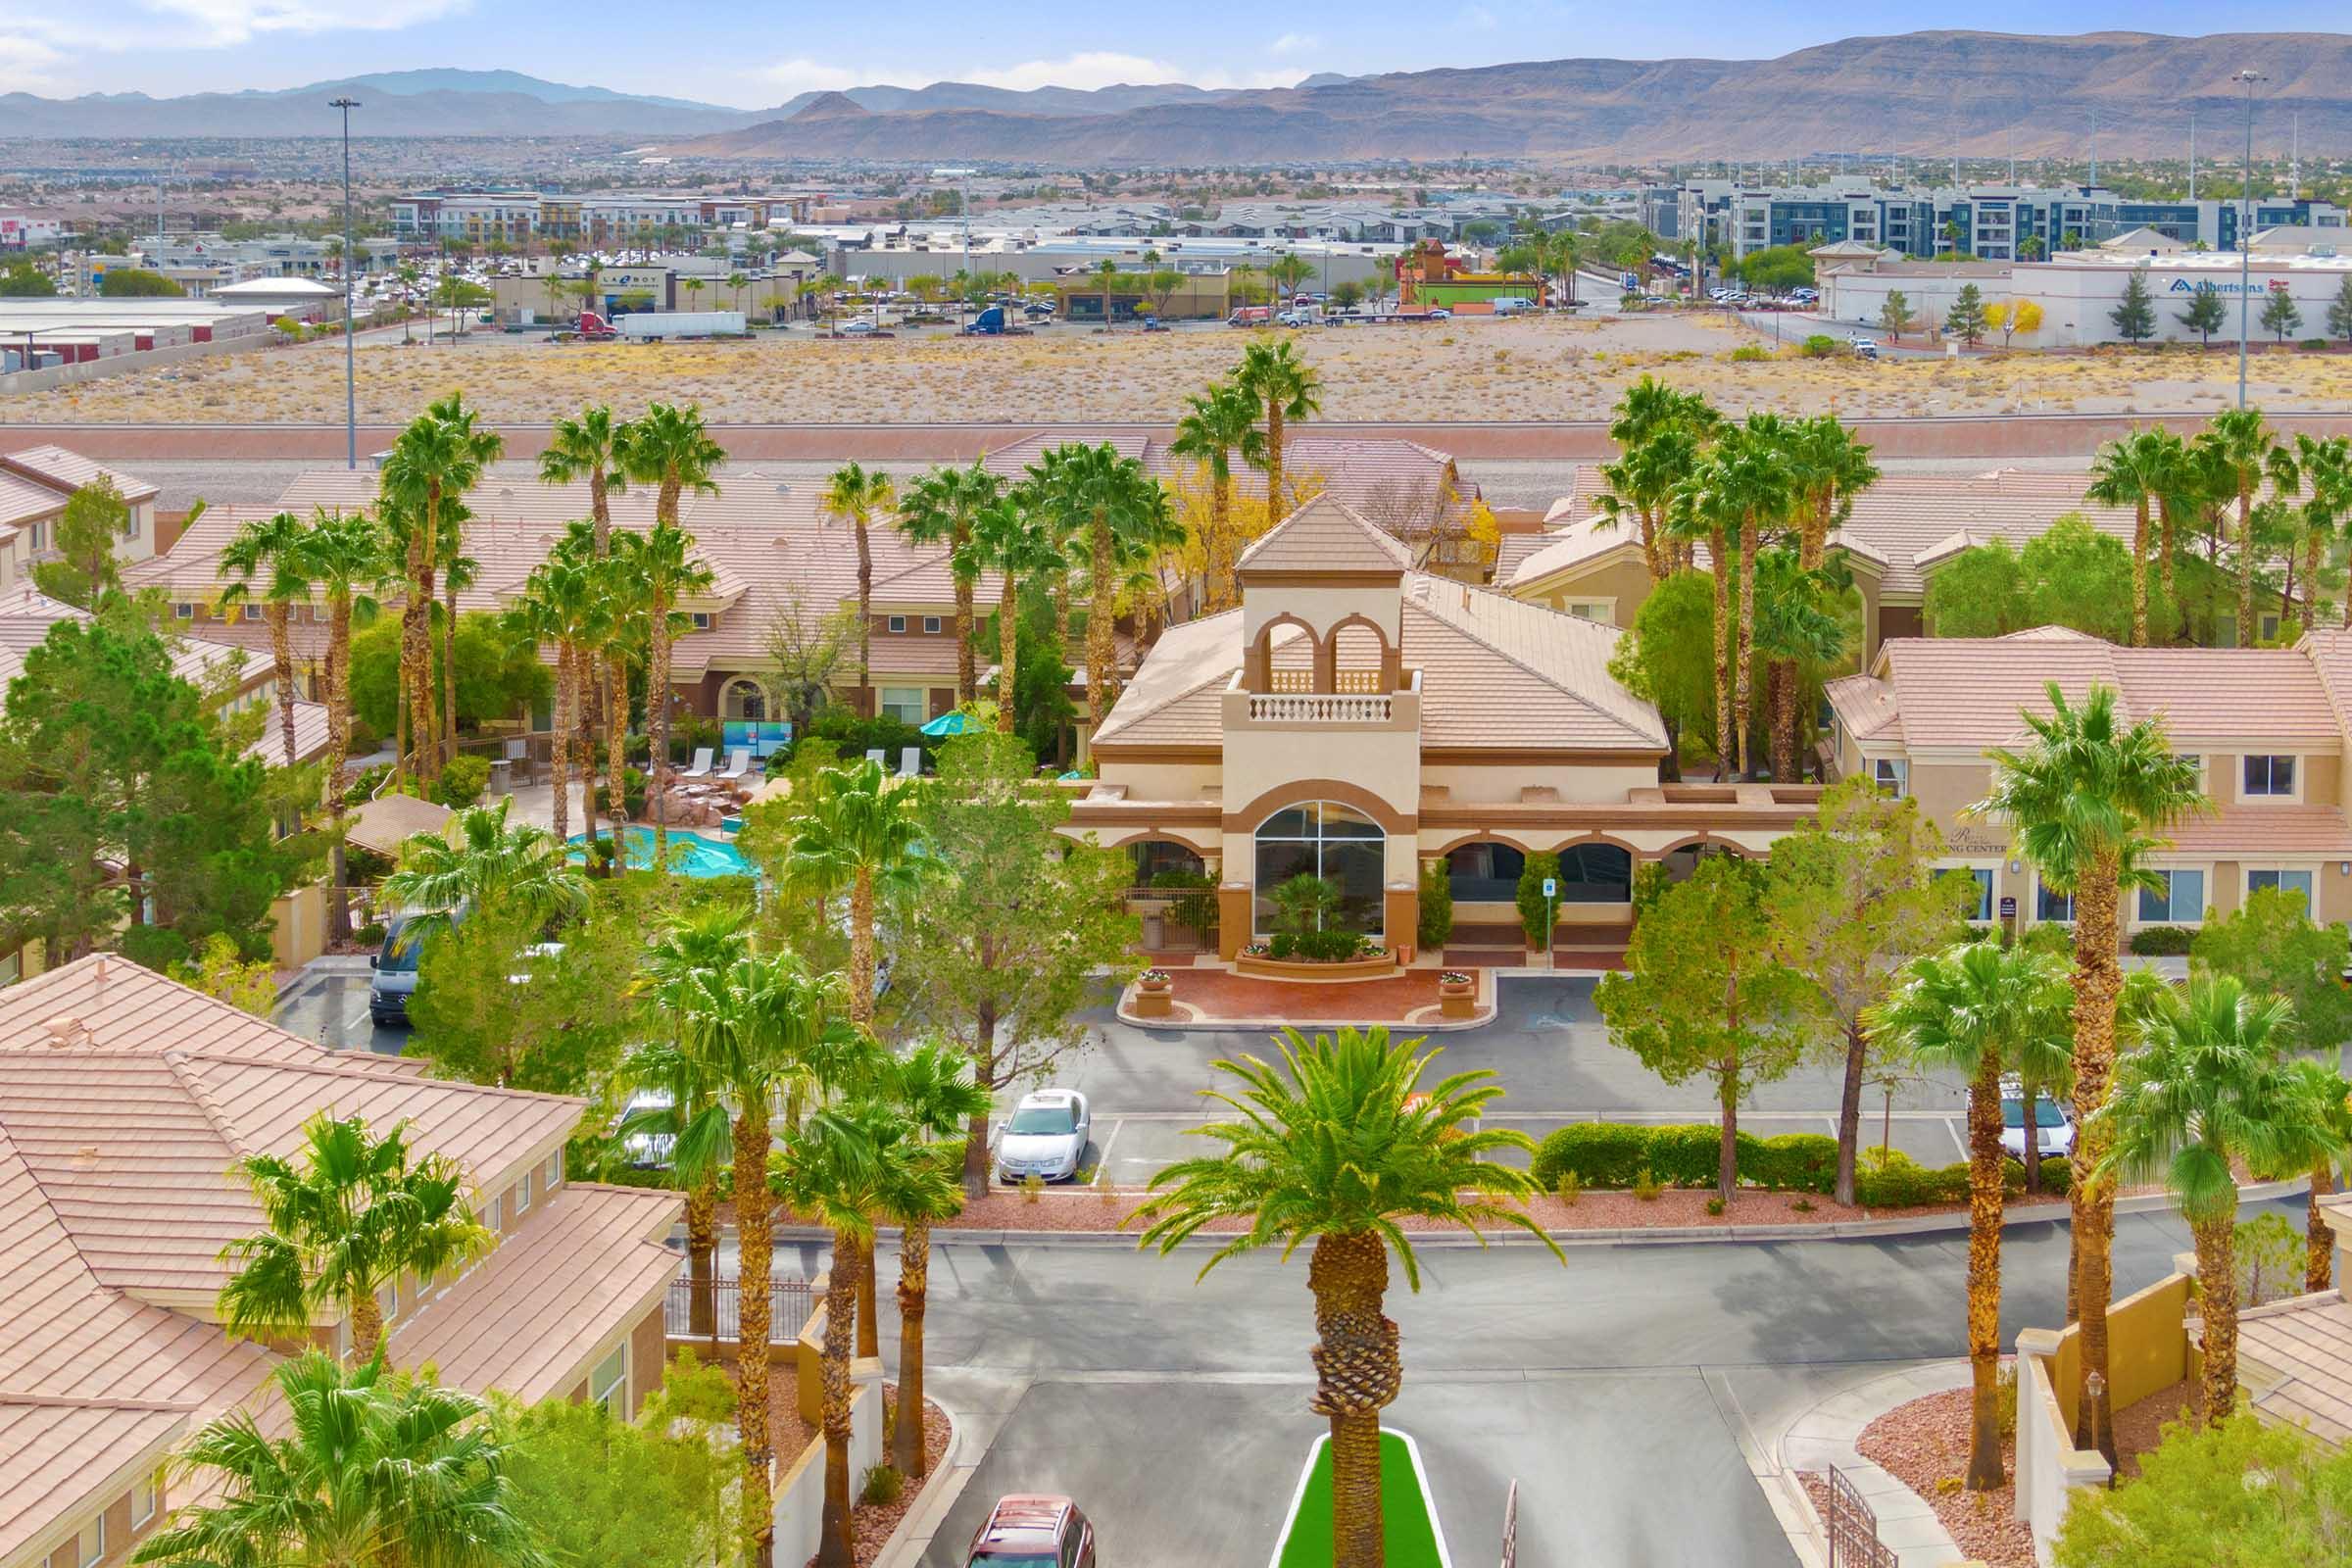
(479, 217)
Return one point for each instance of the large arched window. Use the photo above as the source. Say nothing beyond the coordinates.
(1595, 873)
(744, 698)
(1485, 873)
(1337, 843)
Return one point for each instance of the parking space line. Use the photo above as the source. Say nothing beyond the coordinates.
(1103, 1154)
(1952, 1127)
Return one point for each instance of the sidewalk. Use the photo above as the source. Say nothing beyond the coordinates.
(1825, 1435)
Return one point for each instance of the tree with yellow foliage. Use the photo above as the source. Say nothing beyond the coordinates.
(2011, 316)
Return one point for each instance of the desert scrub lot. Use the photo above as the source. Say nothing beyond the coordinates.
(1442, 371)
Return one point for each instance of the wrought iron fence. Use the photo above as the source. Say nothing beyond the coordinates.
(1852, 1526)
(1510, 1527)
(789, 1303)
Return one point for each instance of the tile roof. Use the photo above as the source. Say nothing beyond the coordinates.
(2305, 1343)
(49, 1449)
(61, 471)
(2234, 830)
(1326, 536)
(1865, 705)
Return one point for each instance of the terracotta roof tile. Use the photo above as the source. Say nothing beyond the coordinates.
(60, 471)
(2305, 1345)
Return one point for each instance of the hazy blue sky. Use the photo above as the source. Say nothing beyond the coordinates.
(755, 54)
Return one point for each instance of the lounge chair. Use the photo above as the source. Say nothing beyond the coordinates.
(878, 757)
(910, 762)
(699, 767)
(739, 763)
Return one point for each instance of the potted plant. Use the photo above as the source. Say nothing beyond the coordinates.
(1457, 994)
(1153, 997)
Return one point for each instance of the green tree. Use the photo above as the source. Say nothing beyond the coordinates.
(1965, 321)
(2134, 473)
(1849, 895)
(670, 449)
(1981, 1009)
(1118, 514)
(135, 282)
(2205, 1089)
(21, 280)
(858, 497)
(1703, 994)
(1008, 539)
(345, 555)
(1667, 659)
(2085, 800)
(1894, 316)
(2280, 315)
(2244, 1493)
(2331, 1109)
(1806, 621)
(439, 457)
(2204, 315)
(1017, 922)
(358, 1468)
(86, 571)
(490, 1012)
(593, 1486)
(1981, 592)
(1660, 432)
(1291, 390)
(349, 1216)
(2339, 311)
(1743, 494)
(1777, 268)
(497, 674)
(2241, 451)
(2134, 316)
(486, 866)
(1330, 1150)
(2271, 943)
(276, 549)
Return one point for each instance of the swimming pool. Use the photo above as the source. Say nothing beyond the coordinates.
(690, 854)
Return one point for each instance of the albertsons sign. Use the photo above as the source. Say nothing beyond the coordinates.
(2181, 285)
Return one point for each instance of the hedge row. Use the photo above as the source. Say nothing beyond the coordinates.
(1614, 1155)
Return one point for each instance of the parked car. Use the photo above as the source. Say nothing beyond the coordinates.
(643, 1150)
(1865, 348)
(2054, 1125)
(1045, 1137)
(858, 327)
(1033, 1531)
(394, 978)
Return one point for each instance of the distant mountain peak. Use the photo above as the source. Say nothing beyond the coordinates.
(832, 106)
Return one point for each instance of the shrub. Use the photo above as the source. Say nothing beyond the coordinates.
(370, 935)
(855, 736)
(367, 783)
(2152, 939)
(1715, 1206)
(1568, 1189)
(688, 733)
(1436, 903)
(462, 779)
(1689, 1156)
(1818, 346)
(1601, 1153)
(1534, 912)
(1648, 1186)
(2313, 345)
(882, 1486)
(1317, 946)
(1794, 1163)
(632, 790)
(1750, 352)
(1888, 1178)
(1033, 1188)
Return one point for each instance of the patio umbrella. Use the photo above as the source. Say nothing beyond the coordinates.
(953, 722)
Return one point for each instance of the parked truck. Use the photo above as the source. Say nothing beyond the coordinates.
(652, 326)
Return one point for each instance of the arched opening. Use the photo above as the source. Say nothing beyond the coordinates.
(1485, 872)
(1596, 873)
(1322, 840)
(1359, 655)
(1682, 861)
(743, 697)
(1154, 857)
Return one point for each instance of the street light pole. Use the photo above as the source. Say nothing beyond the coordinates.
(2245, 226)
(350, 395)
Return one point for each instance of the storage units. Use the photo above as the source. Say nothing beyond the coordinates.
(79, 330)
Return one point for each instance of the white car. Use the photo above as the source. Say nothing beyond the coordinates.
(644, 1149)
(2056, 1125)
(858, 327)
(1044, 1138)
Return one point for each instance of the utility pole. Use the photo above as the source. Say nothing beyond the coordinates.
(351, 394)
(2095, 148)
(2192, 155)
(2245, 80)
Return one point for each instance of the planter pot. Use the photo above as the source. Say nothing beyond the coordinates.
(1300, 969)
(1457, 1000)
(1153, 999)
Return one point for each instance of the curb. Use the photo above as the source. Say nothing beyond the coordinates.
(1826, 1432)
(919, 1525)
(1661, 1234)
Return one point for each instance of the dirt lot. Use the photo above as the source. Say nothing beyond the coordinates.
(1458, 371)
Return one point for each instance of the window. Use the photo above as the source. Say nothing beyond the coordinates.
(931, 626)
(90, 1545)
(1155, 856)
(553, 1175)
(2051, 905)
(522, 1193)
(2182, 900)
(1338, 844)
(896, 623)
(1983, 876)
(903, 703)
(609, 1383)
(1604, 610)
(2288, 881)
(2269, 776)
(144, 1494)
(130, 527)
(702, 620)
(249, 612)
(1891, 774)
(183, 611)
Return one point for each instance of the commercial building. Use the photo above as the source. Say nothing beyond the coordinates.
(1134, 295)
(477, 217)
(547, 291)
(39, 333)
(124, 1100)
(24, 232)
(939, 251)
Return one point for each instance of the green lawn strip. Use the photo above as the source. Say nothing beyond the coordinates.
(1404, 1512)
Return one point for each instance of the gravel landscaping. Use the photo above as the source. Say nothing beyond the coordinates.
(1924, 1445)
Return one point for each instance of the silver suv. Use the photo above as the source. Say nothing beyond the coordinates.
(1045, 1137)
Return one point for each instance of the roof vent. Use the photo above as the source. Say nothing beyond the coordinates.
(506, 492)
(66, 1032)
(86, 1157)
(783, 489)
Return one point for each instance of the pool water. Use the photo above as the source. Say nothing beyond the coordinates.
(690, 854)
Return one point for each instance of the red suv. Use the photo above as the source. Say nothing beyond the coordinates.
(1030, 1531)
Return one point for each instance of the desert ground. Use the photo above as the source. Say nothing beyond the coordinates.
(1466, 369)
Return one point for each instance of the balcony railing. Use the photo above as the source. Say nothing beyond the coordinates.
(1320, 708)
(1353, 681)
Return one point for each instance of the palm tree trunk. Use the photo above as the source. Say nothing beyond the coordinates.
(2098, 981)
(861, 948)
(2031, 1089)
(2313, 544)
(2217, 1300)
(2171, 531)
(914, 1282)
(869, 1335)
(2319, 1237)
(1218, 549)
(281, 658)
(1100, 648)
(1984, 1274)
(967, 679)
(1744, 672)
(2139, 577)
(338, 749)
(702, 1246)
(367, 1326)
(449, 674)
(1273, 461)
(561, 749)
(755, 1242)
(584, 737)
(2245, 567)
(835, 1547)
(1780, 682)
(617, 745)
(657, 723)
(416, 667)
(1007, 651)
(1357, 1373)
(1720, 560)
(865, 621)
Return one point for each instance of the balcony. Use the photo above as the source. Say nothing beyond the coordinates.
(1357, 704)
(1320, 708)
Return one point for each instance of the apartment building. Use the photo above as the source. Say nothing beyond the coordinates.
(514, 216)
(2270, 729)
(124, 1100)
(36, 485)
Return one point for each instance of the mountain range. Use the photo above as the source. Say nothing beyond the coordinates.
(1922, 93)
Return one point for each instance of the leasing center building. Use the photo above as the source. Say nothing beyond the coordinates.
(1355, 718)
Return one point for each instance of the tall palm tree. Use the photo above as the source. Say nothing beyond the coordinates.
(433, 463)
(1978, 1009)
(553, 609)
(938, 509)
(669, 449)
(621, 583)
(365, 1470)
(2331, 1098)
(933, 1089)
(697, 943)
(1009, 539)
(516, 868)
(1217, 425)
(345, 555)
(2248, 451)
(858, 497)
(271, 548)
(2132, 472)
(2207, 1086)
(458, 573)
(2324, 464)
(1660, 434)
(588, 446)
(2083, 803)
(1797, 630)
(1743, 490)
(1829, 468)
(1331, 1149)
(1117, 511)
(349, 1216)
(1290, 389)
(2180, 501)
(662, 568)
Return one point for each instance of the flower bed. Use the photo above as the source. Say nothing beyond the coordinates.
(1373, 967)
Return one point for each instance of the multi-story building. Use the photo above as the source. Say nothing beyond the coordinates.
(514, 216)
(36, 485)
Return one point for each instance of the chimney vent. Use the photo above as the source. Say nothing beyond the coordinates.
(66, 1032)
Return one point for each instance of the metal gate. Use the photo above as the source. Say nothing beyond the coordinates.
(1852, 1526)
(1510, 1527)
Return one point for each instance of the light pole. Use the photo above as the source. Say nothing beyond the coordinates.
(2245, 226)
(350, 395)
(963, 177)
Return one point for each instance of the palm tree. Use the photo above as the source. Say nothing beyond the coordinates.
(274, 547)
(458, 573)
(932, 1088)
(363, 1470)
(1216, 425)
(2207, 1086)
(857, 498)
(2084, 802)
(1980, 1008)
(349, 1218)
(432, 464)
(662, 570)
(1091, 493)
(2324, 466)
(588, 447)
(1829, 468)
(2330, 1097)
(939, 509)
(2246, 451)
(1009, 539)
(2132, 472)
(1660, 434)
(1331, 1149)
(344, 553)
(696, 943)
(1797, 630)
(1743, 488)
(519, 869)
(560, 604)
(1290, 389)
(669, 449)
(1106, 276)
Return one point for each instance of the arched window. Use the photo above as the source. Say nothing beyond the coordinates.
(1336, 843)
(1680, 862)
(1485, 873)
(1595, 873)
(743, 697)
(1155, 856)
